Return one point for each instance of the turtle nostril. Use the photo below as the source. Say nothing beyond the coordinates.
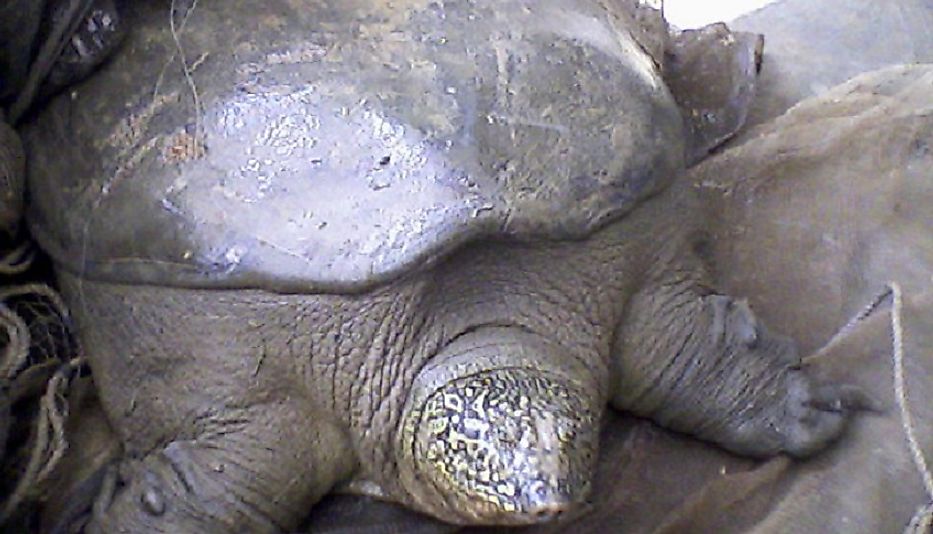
(548, 512)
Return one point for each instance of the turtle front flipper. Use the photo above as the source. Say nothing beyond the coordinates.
(701, 363)
(219, 433)
(255, 469)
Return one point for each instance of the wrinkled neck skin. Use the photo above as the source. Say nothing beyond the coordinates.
(560, 303)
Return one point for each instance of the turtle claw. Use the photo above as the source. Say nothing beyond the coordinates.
(805, 417)
(814, 414)
(843, 398)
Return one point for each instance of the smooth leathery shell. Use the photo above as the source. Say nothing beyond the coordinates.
(336, 145)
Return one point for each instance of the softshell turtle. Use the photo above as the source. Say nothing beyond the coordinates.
(412, 248)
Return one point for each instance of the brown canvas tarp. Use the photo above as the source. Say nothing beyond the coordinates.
(813, 45)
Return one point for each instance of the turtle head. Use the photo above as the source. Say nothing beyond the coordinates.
(505, 446)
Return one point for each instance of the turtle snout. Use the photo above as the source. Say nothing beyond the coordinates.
(545, 505)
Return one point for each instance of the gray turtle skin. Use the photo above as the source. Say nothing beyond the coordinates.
(410, 249)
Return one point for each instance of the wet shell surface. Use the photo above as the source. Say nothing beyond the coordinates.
(332, 145)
